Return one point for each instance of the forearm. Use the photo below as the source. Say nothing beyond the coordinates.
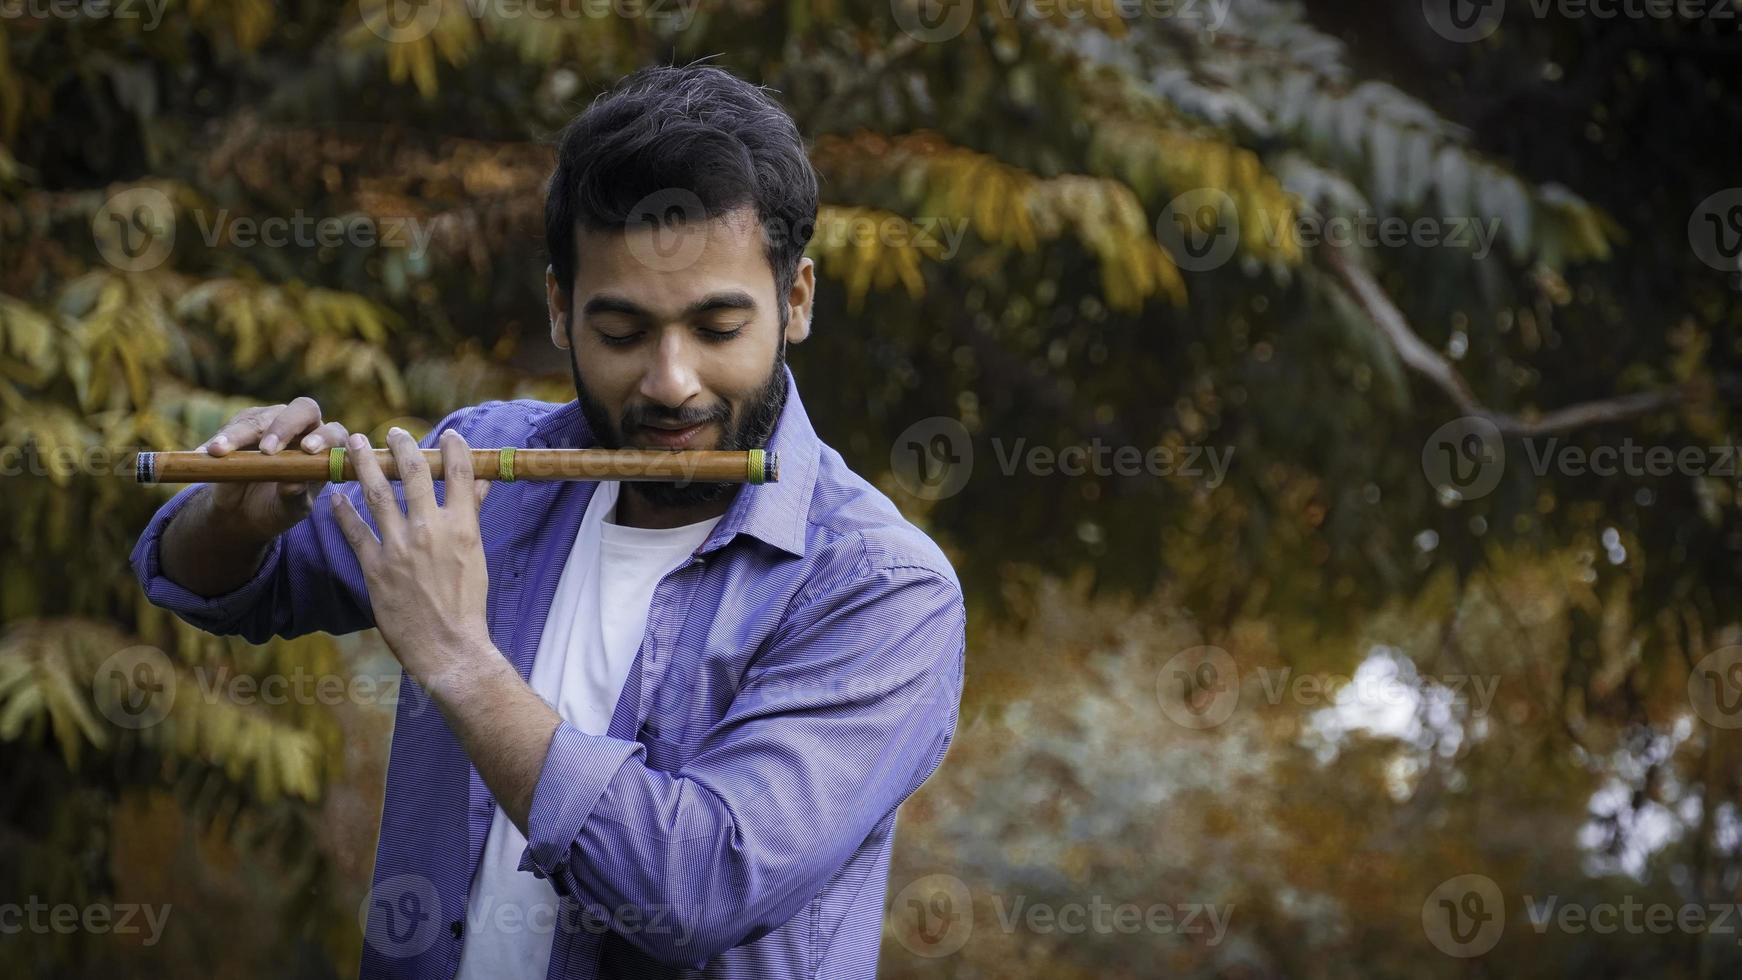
(205, 557)
(503, 725)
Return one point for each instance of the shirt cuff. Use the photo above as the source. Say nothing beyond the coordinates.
(214, 614)
(577, 769)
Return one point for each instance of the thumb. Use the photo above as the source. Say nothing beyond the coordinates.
(480, 488)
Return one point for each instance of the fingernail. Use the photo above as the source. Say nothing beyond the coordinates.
(221, 443)
(311, 444)
(269, 444)
(356, 442)
(395, 431)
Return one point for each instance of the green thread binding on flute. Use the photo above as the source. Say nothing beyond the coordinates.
(505, 464)
(756, 466)
(336, 464)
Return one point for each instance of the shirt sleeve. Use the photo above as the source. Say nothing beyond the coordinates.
(309, 579)
(850, 709)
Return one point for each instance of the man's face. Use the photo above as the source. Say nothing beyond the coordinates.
(676, 340)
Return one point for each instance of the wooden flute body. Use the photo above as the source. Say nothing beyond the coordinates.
(510, 463)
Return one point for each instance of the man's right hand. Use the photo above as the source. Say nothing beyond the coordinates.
(259, 512)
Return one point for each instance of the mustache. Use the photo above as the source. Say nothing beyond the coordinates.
(636, 417)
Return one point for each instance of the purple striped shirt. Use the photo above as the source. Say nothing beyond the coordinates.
(798, 679)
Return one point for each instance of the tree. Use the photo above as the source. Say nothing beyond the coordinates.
(1040, 231)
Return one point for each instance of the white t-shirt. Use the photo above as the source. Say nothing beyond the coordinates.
(594, 629)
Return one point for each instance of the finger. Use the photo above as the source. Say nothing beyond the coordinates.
(289, 425)
(242, 431)
(414, 478)
(377, 492)
(479, 489)
(363, 542)
(457, 471)
(324, 438)
(316, 443)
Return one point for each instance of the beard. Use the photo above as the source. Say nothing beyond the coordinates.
(750, 430)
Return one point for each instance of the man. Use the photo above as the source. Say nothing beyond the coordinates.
(674, 721)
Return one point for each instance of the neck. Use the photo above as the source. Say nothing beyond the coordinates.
(633, 510)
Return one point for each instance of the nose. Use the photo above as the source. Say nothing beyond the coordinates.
(670, 378)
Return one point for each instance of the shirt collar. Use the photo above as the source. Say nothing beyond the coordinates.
(775, 513)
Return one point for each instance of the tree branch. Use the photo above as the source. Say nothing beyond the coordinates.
(1429, 363)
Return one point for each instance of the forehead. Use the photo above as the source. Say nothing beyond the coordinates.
(664, 266)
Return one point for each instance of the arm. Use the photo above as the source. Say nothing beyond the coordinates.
(305, 579)
(847, 713)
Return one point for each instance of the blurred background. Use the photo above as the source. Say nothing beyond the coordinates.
(1330, 409)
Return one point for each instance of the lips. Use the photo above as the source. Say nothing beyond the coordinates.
(672, 438)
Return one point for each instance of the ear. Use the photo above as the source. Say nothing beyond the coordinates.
(557, 303)
(799, 302)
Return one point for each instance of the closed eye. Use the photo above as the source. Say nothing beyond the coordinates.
(714, 336)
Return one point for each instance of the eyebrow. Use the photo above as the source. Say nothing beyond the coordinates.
(731, 299)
